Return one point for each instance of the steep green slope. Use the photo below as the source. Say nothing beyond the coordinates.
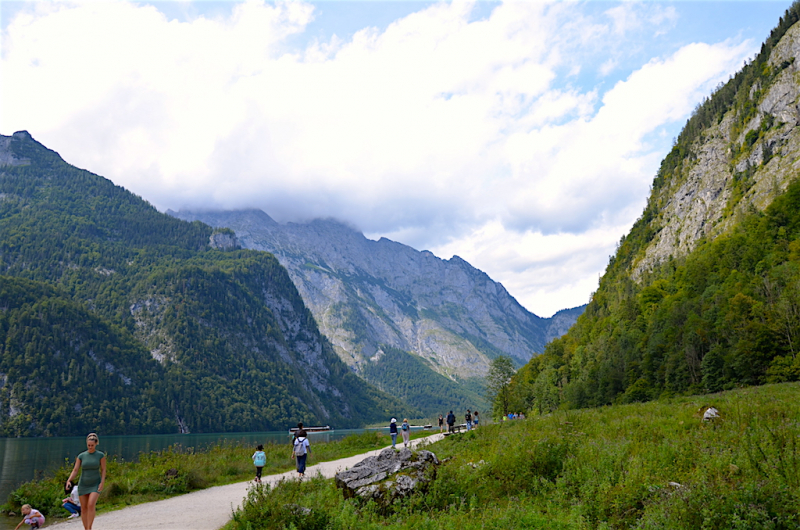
(411, 378)
(66, 370)
(704, 293)
(226, 339)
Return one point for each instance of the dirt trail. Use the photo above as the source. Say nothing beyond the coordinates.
(208, 509)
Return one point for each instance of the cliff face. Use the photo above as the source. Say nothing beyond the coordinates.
(365, 294)
(703, 294)
(741, 163)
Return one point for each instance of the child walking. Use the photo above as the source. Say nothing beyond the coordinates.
(260, 460)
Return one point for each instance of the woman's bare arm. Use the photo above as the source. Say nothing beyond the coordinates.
(74, 473)
(102, 474)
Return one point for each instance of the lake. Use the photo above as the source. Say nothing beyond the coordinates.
(24, 459)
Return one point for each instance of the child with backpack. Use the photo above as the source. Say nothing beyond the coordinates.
(260, 460)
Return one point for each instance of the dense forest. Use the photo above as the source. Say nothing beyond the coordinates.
(726, 314)
(410, 378)
(117, 318)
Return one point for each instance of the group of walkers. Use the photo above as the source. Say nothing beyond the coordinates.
(81, 500)
(471, 420)
(301, 448)
(405, 428)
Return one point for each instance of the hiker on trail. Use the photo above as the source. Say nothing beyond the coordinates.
(441, 423)
(72, 503)
(468, 419)
(406, 428)
(451, 420)
(33, 517)
(92, 466)
(393, 431)
(300, 450)
(260, 460)
(475, 420)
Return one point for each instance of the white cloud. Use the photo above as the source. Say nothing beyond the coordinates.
(465, 137)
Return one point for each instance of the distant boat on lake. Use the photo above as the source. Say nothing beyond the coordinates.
(321, 428)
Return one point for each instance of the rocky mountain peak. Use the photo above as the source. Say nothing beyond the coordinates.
(369, 294)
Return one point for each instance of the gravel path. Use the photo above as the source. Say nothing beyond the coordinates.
(208, 509)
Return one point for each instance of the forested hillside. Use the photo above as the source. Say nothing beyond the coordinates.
(703, 294)
(117, 318)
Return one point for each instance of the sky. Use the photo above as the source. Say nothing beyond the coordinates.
(522, 136)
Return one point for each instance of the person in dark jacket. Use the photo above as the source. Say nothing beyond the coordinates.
(393, 431)
(451, 420)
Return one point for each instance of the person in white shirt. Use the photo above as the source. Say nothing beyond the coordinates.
(73, 503)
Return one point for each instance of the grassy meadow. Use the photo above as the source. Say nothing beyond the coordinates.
(653, 465)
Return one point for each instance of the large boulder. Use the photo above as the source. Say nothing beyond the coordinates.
(389, 475)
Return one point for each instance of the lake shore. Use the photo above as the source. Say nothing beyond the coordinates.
(211, 508)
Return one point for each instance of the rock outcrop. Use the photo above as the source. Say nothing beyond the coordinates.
(388, 476)
(737, 166)
(223, 239)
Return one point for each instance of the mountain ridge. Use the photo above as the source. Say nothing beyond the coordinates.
(365, 294)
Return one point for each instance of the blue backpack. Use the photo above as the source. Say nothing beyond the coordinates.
(260, 459)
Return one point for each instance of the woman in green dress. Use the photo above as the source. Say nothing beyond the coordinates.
(92, 466)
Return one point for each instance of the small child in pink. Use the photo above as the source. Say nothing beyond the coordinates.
(33, 517)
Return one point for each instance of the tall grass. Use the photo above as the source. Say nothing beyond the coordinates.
(645, 466)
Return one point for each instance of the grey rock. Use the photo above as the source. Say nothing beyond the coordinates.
(224, 241)
(7, 156)
(388, 476)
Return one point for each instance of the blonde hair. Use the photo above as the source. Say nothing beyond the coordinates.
(93, 436)
(28, 506)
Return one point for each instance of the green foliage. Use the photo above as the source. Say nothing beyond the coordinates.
(498, 382)
(130, 323)
(412, 379)
(647, 466)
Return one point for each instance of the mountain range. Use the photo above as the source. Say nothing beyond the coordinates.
(371, 296)
(119, 319)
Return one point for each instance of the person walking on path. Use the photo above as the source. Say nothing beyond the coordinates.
(72, 503)
(468, 419)
(441, 423)
(260, 460)
(92, 466)
(32, 517)
(451, 420)
(300, 451)
(393, 431)
(406, 428)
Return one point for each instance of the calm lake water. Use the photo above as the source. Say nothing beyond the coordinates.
(24, 459)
